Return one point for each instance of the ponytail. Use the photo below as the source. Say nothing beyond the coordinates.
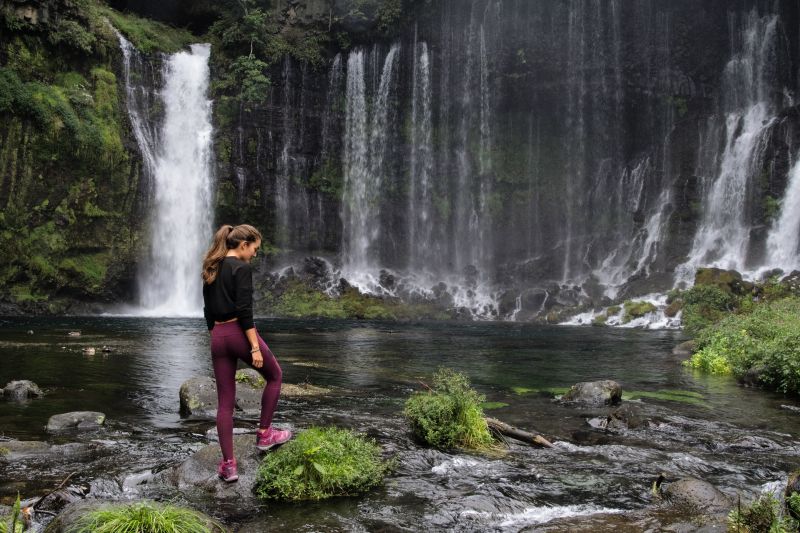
(226, 238)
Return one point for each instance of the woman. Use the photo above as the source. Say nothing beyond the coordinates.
(228, 298)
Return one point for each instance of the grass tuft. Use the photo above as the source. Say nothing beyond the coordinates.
(450, 415)
(321, 463)
(146, 517)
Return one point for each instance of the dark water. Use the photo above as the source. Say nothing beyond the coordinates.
(374, 367)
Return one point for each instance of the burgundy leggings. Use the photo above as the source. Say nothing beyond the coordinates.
(228, 345)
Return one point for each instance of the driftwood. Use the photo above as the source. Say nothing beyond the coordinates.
(516, 433)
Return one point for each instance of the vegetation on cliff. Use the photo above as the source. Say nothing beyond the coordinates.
(749, 330)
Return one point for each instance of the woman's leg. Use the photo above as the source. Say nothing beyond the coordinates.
(272, 373)
(225, 374)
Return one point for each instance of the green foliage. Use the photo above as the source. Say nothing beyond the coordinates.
(704, 305)
(328, 178)
(146, 517)
(148, 35)
(247, 76)
(552, 391)
(636, 309)
(450, 415)
(12, 523)
(671, 395)
(761, 516)
(766, 339)
(772, 207)
(71, 33)
(321, 463)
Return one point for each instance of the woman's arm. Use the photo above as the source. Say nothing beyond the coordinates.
(244, 310)
(255, 351)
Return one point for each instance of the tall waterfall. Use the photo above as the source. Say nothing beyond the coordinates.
(723, 237)
(783, 243)
(364, 168)
(179, 156)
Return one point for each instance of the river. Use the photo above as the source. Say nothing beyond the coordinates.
(739, 439)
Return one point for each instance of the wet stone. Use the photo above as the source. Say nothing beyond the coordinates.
(693, 494)
(21, 390)
(594, 393)
(75, 420)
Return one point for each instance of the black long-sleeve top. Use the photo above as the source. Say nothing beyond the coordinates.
(230, 295)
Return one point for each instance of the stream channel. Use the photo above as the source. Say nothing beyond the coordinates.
(741, 440)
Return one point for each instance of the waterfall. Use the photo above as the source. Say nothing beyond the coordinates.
(723, 237)
(364, 168)
(422, 250)
(783, 243)
(179, 156)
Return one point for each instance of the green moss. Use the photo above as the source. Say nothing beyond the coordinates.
(321, 463)
(553, 391)
(487, 406)
(148, 35)
(613, 310)
(599, 320)
(449, 415)
(4, 450)
(146, 516)
(247, 378)
(89, 268)
(670, 395)
(636, 309)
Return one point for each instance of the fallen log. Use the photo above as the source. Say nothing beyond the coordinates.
(515, 433)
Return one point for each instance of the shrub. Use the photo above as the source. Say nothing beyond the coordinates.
(450, 415)
(320, 463)
(763, 515)
(704, 305)
(146, 517)
(768, 339)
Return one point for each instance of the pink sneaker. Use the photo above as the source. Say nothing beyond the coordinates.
(271, 437)
(227, 471)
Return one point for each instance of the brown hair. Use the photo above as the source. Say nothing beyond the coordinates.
(226, 238)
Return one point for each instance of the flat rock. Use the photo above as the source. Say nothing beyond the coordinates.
(21, 390)
(594, 393)
(76, 420)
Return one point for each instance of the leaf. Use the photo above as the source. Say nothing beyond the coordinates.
(321, 469)
(299, 470)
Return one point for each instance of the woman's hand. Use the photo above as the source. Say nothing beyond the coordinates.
(258, 361)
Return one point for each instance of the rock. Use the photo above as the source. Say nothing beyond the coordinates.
(685, 349)
(753, 443)
(21, 390)
(696, 495)
(729, 281)
(213, 435)
(74, 334)
(76, 420)
(792, 282)
(15, 450)
(198, 397)
(387, 280)
(89, 351)
(594, 393)
(627, 416)
(752, 378)
(198, 474)
(792, 408)
(673, 309)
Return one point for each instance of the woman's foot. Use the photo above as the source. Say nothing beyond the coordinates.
(271, 437)
(227, 471)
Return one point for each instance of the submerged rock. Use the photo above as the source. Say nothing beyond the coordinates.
(685, 349)
(693, 494)
(594, 393)
(76, 420)
(20, 390)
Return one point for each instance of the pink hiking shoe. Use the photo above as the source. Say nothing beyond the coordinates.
(271, 437)
(227, 471)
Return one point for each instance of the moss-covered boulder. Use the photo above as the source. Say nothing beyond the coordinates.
(695, 495)
(21, 390)
(636, 309)
(729, 281)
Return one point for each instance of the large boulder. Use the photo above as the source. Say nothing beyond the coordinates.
(75, 420)
(198, 396)
(729, 281)
(695, 495)
(594, 393)
(21, 390)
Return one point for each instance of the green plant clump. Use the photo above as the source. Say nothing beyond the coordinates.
(12, 523)
(148, 35)
(764, 515)
(704, 305)
(146, 517)
(321, 463)
(450, 415)
(765, 341)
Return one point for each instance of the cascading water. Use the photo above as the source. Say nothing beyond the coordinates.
(783, 243)
(180, 162)
(723, 237)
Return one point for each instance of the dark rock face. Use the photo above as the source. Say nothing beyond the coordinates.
(21, 390)
(696, 495)
(81, 420)
(594, 393)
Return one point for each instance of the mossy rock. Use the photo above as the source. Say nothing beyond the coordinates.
(729, 281)
(636, 309)
(673, 309)
(251, 377)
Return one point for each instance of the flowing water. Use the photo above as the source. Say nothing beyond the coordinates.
(736, 438)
